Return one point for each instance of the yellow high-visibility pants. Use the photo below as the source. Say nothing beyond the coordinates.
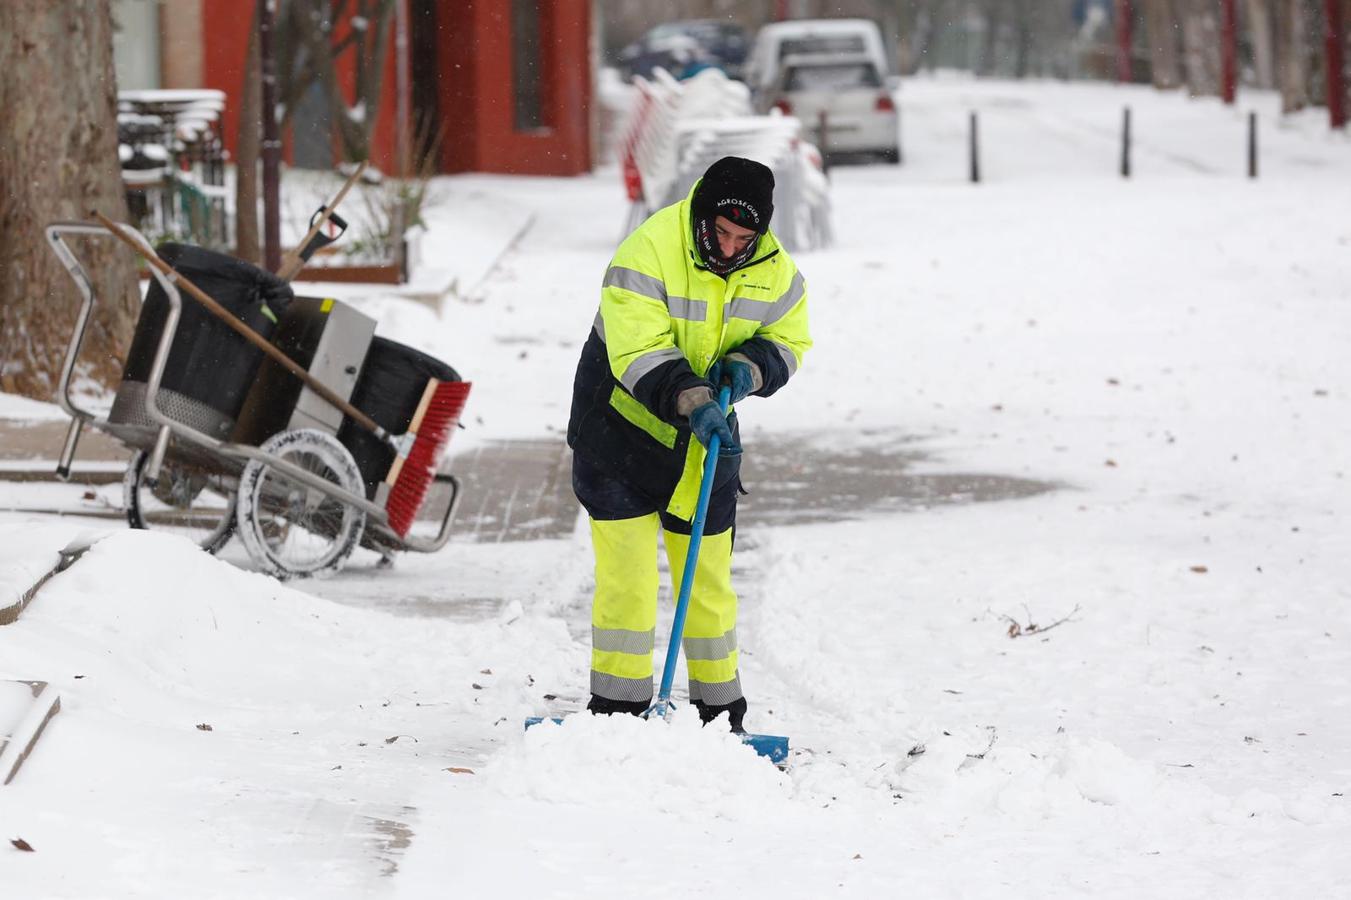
(624, 611)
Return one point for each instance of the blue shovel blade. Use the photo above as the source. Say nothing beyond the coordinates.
(535, 720)
(771, 746)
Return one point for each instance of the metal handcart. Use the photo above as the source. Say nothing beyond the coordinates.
(229, 443)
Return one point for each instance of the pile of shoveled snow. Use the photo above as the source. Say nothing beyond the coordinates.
(609, 764)
(604, 762)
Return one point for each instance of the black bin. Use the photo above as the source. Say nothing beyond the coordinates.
(389, 389)
(210, 366)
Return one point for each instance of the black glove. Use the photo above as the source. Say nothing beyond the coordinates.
(737, 372)
(708, 420)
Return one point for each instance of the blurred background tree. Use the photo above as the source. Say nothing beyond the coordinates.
(1175, 43)
(58, 160)
(312, 38)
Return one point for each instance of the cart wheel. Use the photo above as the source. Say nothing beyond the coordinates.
(186, 500)
(293, 529)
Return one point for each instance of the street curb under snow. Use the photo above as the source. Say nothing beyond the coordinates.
(22, 723)
(19, 732)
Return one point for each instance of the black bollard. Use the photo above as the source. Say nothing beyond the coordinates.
(1252, 145)
(975, 149)
(1126, 143)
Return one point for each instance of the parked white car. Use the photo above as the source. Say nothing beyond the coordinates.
(847, 96)
(776, 42)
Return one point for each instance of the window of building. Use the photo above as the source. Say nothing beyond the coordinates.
(527, 65)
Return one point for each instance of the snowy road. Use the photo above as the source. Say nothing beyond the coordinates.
(1144, 382)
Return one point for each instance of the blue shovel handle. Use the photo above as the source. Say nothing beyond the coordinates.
(659, 709)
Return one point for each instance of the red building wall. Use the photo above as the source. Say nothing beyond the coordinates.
(476, 98)
(474, 90)
(225, 46)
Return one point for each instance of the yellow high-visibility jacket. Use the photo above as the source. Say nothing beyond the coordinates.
(664, 319)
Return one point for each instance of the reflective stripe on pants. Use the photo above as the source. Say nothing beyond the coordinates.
(624, 611)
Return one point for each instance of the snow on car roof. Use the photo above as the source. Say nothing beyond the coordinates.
(819, 26)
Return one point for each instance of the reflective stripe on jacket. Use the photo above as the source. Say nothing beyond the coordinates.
(663, 320)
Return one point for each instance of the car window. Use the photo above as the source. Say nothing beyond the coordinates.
(832, 78)
(822, 44)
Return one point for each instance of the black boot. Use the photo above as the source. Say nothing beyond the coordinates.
(604, 706)
(736, 712)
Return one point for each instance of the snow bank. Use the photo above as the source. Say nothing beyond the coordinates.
(155, 612)
(156, 616)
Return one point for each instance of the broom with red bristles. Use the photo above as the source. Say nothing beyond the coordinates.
(417, 452)
(428, 433)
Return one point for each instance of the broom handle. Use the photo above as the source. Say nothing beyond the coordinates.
(291, 264)
(248, 333)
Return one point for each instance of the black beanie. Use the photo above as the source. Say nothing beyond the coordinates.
(741, 190)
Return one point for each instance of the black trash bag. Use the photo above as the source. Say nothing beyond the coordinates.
(208, 361)
(388, 390)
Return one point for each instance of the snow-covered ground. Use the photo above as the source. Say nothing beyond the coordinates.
(1171, 351)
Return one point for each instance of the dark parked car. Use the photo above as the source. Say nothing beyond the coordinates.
(685, 46)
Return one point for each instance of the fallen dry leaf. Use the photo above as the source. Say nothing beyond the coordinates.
(23, 845)
(460, 770)
(1200, 569)
(1111, 464)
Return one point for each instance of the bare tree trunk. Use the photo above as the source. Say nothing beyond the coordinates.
(247, 151)
(58, 160)
(1161, 19)
(921, 39)
(1024, 27)
(1261, 32)
(992, 12)
(1346, 55)
(309, 44)
(1292, 37)
(889, 18)
(1201, 40)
